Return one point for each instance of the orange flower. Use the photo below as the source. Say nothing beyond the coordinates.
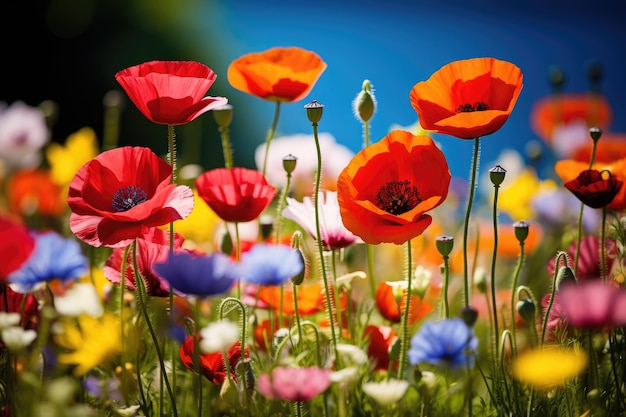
(390, 309)
(467, 99)
(550, 112)
(610, 147)
(387, 188)
(282, 74)
(311, 298)
(569, 170)
(33, 191)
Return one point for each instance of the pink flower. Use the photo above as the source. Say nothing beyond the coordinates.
(23, 132)
(294, 384)
(593, 304)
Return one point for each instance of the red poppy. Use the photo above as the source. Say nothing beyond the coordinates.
(281, 74)
(235, 194)
(393, 311)
(468, 99)
(212, 365)
(569, 170)
(16, 245)
(387, 188)
(33, 192)
(122, 193)
(153, 247)
(593, 189)
(557, 110)
(170, 92)
(381, 339)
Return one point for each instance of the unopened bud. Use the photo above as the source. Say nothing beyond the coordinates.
(595, 133)
(314, 111)
(299, 279)
(480, 280)
(364, 105)
(565, 276)
(521, 230)
(469, 315)
(444, 245)
(496, 175)
(289, 163)
(526, 309)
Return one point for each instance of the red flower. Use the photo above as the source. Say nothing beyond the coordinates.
(392, 309)
(33, 192)
(212, 365)
(16, 245)
(151, 248)
(235, 194)
(170, 92)
(381, 339)
(282, 74)
(24, 304)
(468, 99)
(593, 189)
(122, 193)
(387, 188)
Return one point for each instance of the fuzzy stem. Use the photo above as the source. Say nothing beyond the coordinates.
(494, 303)
(470, 200)
(518, 268)
(547, 313)
(226, 148)
(446, 279)
(404, 337)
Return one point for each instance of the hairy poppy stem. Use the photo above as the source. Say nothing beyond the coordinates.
(404, 337)
(270, 135)
(470, 200)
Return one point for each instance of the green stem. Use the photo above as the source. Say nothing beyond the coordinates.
(270, 135)
(470, 200)
(226, 148)
(518, 268)
(320, 247)
(446, 278)
(143, 299)
(494, 303)
(602, 246)
(544, 328)
(404, 337)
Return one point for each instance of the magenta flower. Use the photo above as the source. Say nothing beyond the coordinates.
(294, 384)
(593, 304)
(589, 257)
(334, 233)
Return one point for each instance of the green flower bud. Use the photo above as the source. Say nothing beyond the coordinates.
(521, 230)
(364, 105)
(444, 245)
(299, 279)
(223, 115)
(480, 280)
(526, 309)
(496, 175)
(314, 111)
(289, 163)
(565, 275)
(266, 226)
(469, 315)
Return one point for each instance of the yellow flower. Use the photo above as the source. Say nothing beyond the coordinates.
(515, 199)
(548, 367)
(92, 342)
(199, 226)
(80, 147)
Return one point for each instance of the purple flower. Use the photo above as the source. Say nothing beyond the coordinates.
(448, 342)
(271, 264)
(202, 275)
(54, 257)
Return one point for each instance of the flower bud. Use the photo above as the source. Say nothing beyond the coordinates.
(364, 105)
(223, 115)
(565, 276)
(469, 315)
(289, 163)
(480, 280)
(496, 175)
(314, 111)
(595, 74)
(526, 310)
(557, 78)
(595, 133)
(299, 279)
(521, 230)
(444, 245)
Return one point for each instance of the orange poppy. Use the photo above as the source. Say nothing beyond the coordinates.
(610, 147)
(556, 110)
(311, 298)
(282, 74)
(467, 99)
(387, 188)
(569, 170)
(265, 330)
(33, 192)
(393, 311)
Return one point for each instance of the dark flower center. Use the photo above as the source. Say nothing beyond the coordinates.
(465, 108)
(397, 197)
(128, 197)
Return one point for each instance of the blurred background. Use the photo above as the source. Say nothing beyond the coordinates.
(69, 50)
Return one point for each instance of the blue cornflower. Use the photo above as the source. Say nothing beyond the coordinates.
(202, 275)
(447, 342)
(271, 264)
(54, 257)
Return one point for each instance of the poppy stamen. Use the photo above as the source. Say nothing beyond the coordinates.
(466, 108)
(128, 197)
(397, 197)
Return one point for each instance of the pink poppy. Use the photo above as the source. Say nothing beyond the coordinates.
(294, 384)
(170, 92)
(121, 194)
(593, 304)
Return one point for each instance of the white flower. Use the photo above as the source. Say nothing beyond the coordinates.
(386, 392)
(23, 133)
(422, 278)
(81, 298)
(15, 338)
(128, 411)
(345, 375)
(335, 157)
(352, 355)
(218, 336)
(8, 319)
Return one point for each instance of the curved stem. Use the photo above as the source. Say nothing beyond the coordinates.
(559, 256)
(446, 278)
(494, 302)
(404, 337)
(518, 268)
(270, 135)
(470, 200)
